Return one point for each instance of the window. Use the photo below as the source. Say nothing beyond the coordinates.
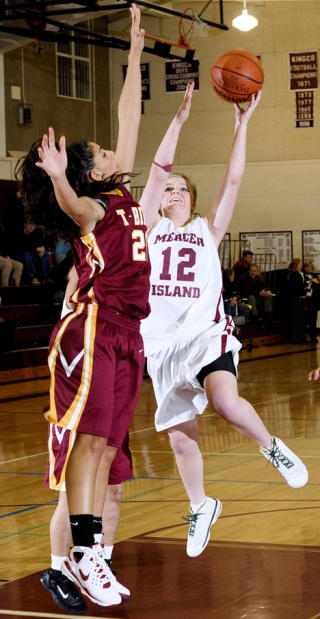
(73, 67)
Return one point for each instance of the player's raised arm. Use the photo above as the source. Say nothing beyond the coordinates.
(129, 108)
(82, 210)
(219, 217)
(162, 164)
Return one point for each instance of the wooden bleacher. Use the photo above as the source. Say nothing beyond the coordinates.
(5, 187)
(28, 315)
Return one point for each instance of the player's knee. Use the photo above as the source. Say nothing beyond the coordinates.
(115, 493)
(88, 443)
(226, 407)
(180, 443)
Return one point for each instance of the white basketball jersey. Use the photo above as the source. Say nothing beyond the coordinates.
(186, 284)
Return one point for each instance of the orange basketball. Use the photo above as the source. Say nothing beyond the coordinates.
(236, 75)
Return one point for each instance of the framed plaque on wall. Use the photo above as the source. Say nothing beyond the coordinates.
(277, 243)
(311, 247)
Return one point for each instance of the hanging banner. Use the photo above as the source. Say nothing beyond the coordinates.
(145, 79)
(180, 73)
(304, 109)
(303, 70)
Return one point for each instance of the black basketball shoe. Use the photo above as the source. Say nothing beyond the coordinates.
(63, 591)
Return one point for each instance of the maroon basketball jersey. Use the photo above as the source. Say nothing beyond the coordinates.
(112, 261)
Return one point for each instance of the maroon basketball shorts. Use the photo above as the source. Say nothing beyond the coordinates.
(60, 442)
(96, 361)
(121, 467)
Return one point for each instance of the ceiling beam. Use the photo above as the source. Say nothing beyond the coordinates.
(38, 18)
(41, 8)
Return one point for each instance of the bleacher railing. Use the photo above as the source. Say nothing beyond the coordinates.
(230, 251)
(267, 264)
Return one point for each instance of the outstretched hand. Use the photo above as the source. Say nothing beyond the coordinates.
(314, 374)
(243, 114)
(53, 161)
(184, 109)
(137, 34)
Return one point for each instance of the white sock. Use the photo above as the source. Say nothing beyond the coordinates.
(195, 507)
(107, 552)
(98, 538)
(269, 448)
(56, 562)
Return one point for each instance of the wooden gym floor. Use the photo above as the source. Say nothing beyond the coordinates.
(263, 560)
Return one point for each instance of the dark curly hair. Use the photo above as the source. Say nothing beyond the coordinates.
(37, 193)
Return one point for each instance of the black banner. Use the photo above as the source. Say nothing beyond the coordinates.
(180, 73)
(304, 109)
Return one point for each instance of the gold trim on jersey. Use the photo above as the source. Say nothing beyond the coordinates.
(117, 192)
(94, 259)
(53, 484)
(94, 256)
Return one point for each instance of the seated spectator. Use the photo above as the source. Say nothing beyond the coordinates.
(11, 270)
(233, 304)
(251, 286)
(243, 265)
(296, 296)
(30, 247)
(311, 281)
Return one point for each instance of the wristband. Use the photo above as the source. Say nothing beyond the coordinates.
(166, 168)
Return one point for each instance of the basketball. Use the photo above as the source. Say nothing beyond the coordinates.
(236, 75)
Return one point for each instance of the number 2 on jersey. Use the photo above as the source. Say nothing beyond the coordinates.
(139, 245)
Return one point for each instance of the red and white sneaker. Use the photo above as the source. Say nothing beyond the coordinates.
(124, 592)
(91, 574)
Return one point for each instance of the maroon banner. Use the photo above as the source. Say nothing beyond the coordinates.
(303, 70)
(304, 109)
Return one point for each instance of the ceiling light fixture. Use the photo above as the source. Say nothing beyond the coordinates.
(245, 22)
